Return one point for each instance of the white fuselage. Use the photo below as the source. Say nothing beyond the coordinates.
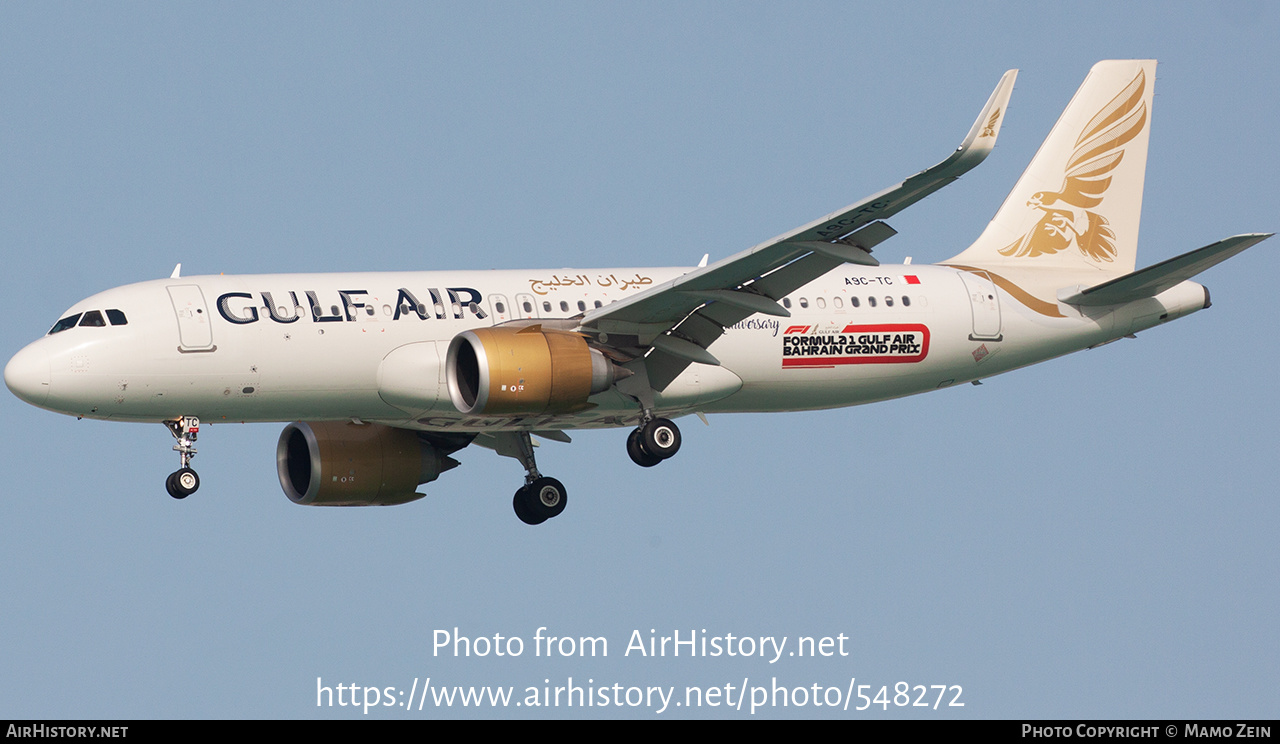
(371, 346)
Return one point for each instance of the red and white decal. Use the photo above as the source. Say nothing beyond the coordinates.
(890, 343)
(911, 279)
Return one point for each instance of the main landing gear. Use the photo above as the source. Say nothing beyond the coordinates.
(184, 481)
(655, 440)
(541, 498)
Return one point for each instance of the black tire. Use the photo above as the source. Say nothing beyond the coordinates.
(521, 504)
(170, 485)
(639, 455)
(545, 498)
(185, 482)
(660, 437)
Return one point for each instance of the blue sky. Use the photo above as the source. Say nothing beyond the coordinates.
(1091, 537)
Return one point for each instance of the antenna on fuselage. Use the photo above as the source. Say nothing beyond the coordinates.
(177, 272)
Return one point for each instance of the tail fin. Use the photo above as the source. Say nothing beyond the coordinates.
(1077, 206)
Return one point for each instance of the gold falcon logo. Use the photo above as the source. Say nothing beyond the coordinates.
(990, 129)
(1068, 213)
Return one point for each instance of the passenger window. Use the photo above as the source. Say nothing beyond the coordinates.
(582, 306)
(855, 301)
(599, 304)
(116, 317)
(871, 302)
(67, 322)
(92, 319)
(906, 301)
(546, 306)
(822, 304)
(501, 308)
(888, 302)
(564, 306)
(528, 306)
(786, 302)
(804, 302)
(838, 302)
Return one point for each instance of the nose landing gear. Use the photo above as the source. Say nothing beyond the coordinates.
(184, 481)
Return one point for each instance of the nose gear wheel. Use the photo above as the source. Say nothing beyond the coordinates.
(184, 481)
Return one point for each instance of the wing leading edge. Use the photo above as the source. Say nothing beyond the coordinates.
(673, 323)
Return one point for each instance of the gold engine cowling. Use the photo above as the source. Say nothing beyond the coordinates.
(526, 370)
(338, 463)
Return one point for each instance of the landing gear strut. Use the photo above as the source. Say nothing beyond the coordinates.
(655, 440)
(541, 498)
(184, 481)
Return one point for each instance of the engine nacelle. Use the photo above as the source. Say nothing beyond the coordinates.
(525, 371)
(337, 463)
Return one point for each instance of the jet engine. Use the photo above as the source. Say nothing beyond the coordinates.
(338, 463)
(524, 371)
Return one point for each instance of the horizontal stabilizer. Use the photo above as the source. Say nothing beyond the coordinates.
(1153, 280)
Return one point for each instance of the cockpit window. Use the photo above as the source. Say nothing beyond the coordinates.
(67, 322)
(117, 318)
(93, 319)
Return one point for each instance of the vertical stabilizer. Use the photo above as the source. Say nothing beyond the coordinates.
(1077, 206)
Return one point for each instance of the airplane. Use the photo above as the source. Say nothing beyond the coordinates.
(384, 376)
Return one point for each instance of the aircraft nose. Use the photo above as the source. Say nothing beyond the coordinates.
(27, 375)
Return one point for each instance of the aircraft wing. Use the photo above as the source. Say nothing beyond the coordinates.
(674, 322)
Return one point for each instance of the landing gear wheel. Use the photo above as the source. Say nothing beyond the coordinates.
(541, 498)
(182, 483)
(660, 438)
(521, 504)
(539, 501)
(639, 455)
